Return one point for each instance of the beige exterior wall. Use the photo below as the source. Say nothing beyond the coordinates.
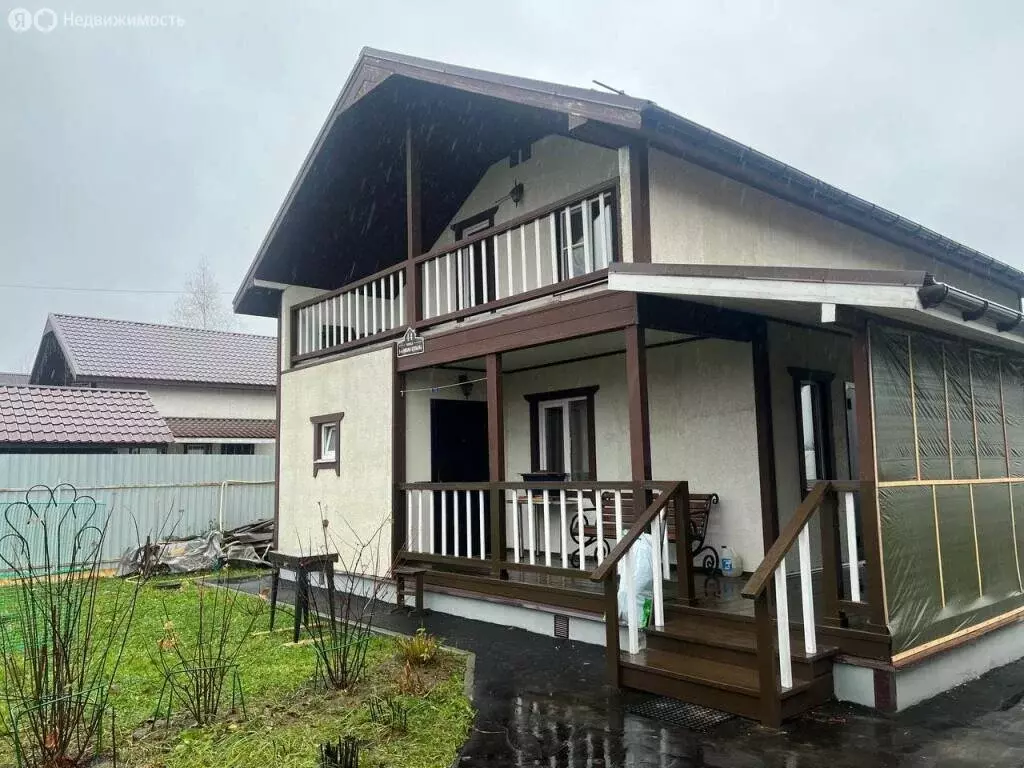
(558, 167)
(357, 502)
(701, 217)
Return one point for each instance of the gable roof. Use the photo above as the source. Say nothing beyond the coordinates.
(99, 349)
(615, 117)
(79, 415)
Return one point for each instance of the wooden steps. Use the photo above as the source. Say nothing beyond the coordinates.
(710, 658)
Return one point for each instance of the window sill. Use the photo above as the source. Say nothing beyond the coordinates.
(322, 465)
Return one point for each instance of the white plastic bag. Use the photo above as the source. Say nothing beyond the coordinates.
(643, 577)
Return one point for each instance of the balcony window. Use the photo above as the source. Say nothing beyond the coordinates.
(585, 236)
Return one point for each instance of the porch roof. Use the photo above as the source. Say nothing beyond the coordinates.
(811, 295)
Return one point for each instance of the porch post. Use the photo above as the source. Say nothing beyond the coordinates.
(413, 228)
(496, 460)
(765, 434)
(398, 511)
(869, 531)
(639, 420)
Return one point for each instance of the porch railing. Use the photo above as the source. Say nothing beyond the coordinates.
(821, 501)
(664, 498)
(564, 242)
(368, 309)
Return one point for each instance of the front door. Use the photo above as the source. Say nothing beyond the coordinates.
(458, 454)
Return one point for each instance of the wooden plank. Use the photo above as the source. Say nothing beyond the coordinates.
(765, 436)
(588, 315)
(639, 415)
(640, 201)
(398, 523)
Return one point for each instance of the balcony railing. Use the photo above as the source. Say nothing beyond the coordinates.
(371, 307)
(563, 242)
(566, 244)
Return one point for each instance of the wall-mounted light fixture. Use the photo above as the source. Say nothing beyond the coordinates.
(465, 385)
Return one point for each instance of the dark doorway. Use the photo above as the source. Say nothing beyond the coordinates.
(458, 454)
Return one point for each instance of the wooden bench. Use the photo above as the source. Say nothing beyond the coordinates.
(700, 514)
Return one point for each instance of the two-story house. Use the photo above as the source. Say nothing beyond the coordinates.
(537, 331)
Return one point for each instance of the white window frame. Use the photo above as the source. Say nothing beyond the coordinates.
(542, 428)
(328, 456)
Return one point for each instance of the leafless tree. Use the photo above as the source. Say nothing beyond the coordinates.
(202, 305)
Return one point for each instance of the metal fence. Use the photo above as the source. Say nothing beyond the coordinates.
(162, 494)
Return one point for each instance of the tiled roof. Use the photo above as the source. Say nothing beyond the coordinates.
(15, 379)
(117, 349)
(260, 429)
(79, 415)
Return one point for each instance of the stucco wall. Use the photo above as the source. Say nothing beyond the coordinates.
(291, 296)
(358, 502)
(212, 402)
(700, 217)
(558, 167)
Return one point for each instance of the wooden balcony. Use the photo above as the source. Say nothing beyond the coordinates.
(565, 245)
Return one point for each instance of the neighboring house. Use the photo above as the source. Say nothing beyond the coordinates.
(14, 379)
(480, 277)
(214, 389)
(78, 420)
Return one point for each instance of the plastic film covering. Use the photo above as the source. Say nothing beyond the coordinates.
(951, 550)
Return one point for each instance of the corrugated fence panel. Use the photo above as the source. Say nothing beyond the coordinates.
(157, 495)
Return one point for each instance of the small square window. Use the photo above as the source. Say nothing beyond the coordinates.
(326, 451)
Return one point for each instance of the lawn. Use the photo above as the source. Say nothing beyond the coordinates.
(287, 714)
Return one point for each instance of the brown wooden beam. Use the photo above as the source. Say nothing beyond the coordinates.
(414, 229)
(496, 459)
(640, 201)
(639, 418)
(869, 531)
(765, 436)
(398, 510)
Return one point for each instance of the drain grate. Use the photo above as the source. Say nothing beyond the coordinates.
(691, 716)
(561, 626)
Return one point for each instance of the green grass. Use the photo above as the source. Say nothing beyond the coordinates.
(287, 716)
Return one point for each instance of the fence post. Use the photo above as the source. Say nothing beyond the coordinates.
(684, 556)
(611, 629)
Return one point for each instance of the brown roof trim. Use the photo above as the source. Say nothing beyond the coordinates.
(808, 274)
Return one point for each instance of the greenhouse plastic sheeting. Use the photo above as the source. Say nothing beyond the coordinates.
(945, 412)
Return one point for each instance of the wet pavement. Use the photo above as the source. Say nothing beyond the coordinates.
(542, 702)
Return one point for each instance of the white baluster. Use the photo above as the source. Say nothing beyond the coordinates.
(391, 295)
(444, 523)
(383, 324)
(508, 253)
(632, 620)
(563, 529)
(606, 226)
(664, 547)
(483, 268)
(469, 524)
(553, 218)
(299, 344)
(599, 510)
(472, 276)
(850, 513)
(658, 584)
(618, 514)
(346, 317)
(330, 322)
(483, 532)
(579, 530)
(437, 287)
(547, 528)
(358, 299)
(419, 519)
(530, 525)
(408, 521)
(460, 281)
(318, 338)
(515, 526)
(782, 617)
(449, 289)
(373, 308)
(401, 297)
(522, 254)
(536, 246)
(588, 253)
(426, 291)
(806, 590)
(431, 524)
(455, 521)
(366, 312)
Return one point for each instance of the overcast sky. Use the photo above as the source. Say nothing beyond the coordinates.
(128, 155)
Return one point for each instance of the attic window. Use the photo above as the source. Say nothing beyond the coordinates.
(326, 439)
